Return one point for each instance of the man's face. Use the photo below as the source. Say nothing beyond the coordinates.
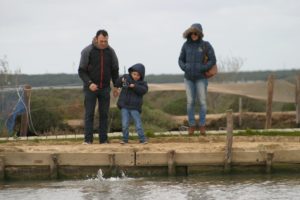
(102, 41)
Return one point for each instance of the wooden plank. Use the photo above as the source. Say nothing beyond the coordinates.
(32, 159)
(287, 156)
(125, 159)
(199, 158)
(95, 159)
(76, 159)
(151, 159)
(192, 158)
(254, 157)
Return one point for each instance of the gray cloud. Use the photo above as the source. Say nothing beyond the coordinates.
(47, 36)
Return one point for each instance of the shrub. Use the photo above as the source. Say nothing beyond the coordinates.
(175, 107)
(44, 115)
(153, 120)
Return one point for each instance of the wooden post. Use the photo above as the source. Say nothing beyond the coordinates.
(297, 101)
(228, 150)
(2, 168)
(269, 162)
(24, 119)
(112, 162)
(269, 102)
(240, 111)
(171, 163)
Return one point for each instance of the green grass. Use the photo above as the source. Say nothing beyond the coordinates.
(50, 108)
(250, 132)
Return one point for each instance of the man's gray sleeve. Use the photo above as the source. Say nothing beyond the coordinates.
(114, 67)
(83, 66)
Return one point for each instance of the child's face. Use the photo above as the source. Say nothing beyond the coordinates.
(135, 76)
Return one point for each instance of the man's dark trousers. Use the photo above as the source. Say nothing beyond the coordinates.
(103, 97)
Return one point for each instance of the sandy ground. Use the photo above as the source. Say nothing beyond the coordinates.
(283, 90)
(164, 144)
(276, 116)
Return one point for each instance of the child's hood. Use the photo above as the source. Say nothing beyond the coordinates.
(140, 68)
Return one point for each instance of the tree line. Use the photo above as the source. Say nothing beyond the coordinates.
(42, 80)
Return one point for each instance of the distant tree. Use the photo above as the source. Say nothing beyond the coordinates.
(4, 71)
(6, 76)
(230, 64)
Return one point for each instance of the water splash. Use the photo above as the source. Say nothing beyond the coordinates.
(100, 175)
(123, 175)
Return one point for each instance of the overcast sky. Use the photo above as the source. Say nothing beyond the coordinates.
(47, 36)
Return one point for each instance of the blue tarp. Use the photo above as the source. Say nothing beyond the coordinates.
(18, 110)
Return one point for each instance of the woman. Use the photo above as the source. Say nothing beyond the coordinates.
(196, 57)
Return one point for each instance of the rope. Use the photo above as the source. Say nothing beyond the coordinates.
(27, 110)
(30, 123)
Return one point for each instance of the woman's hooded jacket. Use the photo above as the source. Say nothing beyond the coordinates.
(191, 59)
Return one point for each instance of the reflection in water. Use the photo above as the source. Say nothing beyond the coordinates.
(192, 187)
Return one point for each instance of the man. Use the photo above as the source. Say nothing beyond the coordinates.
(98, 65)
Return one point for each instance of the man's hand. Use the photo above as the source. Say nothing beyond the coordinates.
(116, 92)
(93, 87)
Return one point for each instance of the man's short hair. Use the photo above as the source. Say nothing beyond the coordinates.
(102, 32)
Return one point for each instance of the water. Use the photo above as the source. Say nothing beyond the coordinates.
(237, 187)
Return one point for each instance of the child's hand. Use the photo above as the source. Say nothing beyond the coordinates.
(132, 85)
(116, 92)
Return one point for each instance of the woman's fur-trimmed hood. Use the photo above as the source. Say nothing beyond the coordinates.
(193, 28)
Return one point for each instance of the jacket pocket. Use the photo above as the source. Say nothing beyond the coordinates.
(189, 71)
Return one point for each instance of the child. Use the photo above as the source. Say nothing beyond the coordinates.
(131, 99)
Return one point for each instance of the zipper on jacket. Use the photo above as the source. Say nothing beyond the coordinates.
(101, 68)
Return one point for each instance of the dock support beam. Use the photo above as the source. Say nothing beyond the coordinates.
(53, 166)
(269, 160)
(112, 165)
(2, 169)
(228, 151)
(171, 163)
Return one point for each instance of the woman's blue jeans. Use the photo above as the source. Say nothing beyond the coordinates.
(127, 114)
(196, 89)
